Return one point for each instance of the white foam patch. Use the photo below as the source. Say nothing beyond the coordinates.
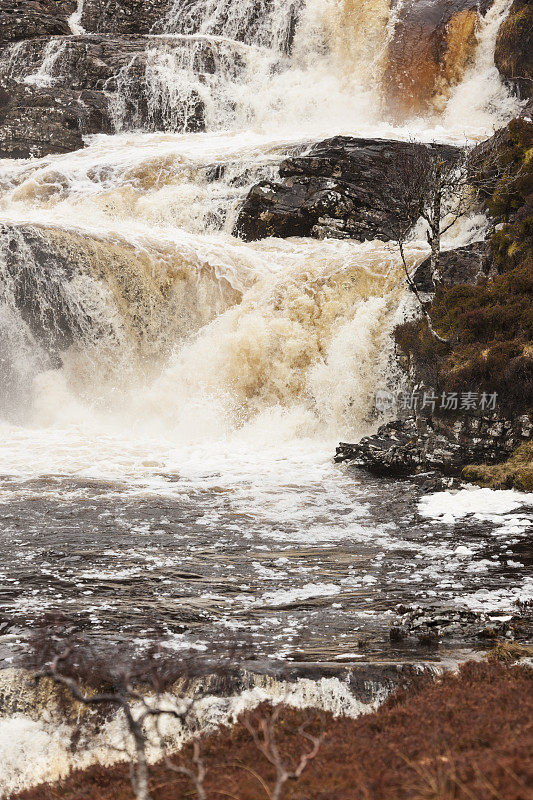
(487, 600)
(484, 505)
(310, 590)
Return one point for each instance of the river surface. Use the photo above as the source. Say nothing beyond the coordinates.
(174, 471)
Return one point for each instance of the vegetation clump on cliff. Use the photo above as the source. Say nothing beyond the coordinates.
(489, 325)
(516, 472)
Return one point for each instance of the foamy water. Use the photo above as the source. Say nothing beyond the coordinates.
(178, 460)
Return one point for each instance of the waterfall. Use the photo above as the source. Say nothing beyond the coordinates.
(74, 21)
(262, 78)
(150, 357)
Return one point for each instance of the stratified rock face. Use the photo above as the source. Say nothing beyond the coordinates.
(124, 16)
(37, 121)
(24, 19)
(433, 42)
(514, 48)
(95, 62)
(341, 189)
(441, 443)
(108, 84)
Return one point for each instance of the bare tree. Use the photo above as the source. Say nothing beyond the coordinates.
(137, 709)
(155, 686)
(261, 725)
(440, 185)
(429, 182)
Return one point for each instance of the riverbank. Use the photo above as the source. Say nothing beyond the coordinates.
(437, 738)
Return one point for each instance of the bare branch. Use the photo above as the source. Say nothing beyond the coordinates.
(263, 733)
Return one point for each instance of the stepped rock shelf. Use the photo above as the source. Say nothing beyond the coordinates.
(201, 293)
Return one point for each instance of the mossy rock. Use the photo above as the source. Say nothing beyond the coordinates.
(515, 473)
(514, 47)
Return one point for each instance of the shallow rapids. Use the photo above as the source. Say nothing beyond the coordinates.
(175, 448)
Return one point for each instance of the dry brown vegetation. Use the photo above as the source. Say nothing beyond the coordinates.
(465, 736)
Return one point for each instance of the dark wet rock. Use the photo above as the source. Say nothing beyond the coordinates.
(397, 633)
(514, 48)
(31, 262)
(37, 121)
(463, 265)
(24, 19)
(436, 442)
(158, 16)
(94, 62)
(124, 16)
(436, 623)
(117, 68)
(340, 189)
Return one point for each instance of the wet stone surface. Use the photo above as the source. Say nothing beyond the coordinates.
(304, 580)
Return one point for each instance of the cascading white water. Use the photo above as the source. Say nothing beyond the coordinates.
(74, 21)
(281, 75)
(264, 23)
(181, 351)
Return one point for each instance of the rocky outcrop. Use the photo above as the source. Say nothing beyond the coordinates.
(132, 73)
(465, 265)
(124, 16)
(514, 48)
(95, 62)
(439, 443)
(342, 188)
(119, 76)
(24, 19)
(37, 121)
(483, 309)
(433, 43)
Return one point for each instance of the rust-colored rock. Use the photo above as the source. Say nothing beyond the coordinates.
(433, 43)
(514, 48)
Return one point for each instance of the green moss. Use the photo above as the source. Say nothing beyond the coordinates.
(514, 46)
(515, 473)
(489, 326)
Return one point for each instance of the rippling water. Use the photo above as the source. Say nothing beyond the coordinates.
(173, 465)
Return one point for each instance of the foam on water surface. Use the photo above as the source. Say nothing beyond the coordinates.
(180, 455)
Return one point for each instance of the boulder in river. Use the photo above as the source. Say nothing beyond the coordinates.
(341, 189)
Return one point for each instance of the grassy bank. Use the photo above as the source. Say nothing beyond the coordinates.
(464, 736)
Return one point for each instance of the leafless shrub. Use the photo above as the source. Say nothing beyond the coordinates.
(136, 706)
(261, 725)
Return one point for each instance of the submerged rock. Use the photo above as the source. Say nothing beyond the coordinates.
(342, 188)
